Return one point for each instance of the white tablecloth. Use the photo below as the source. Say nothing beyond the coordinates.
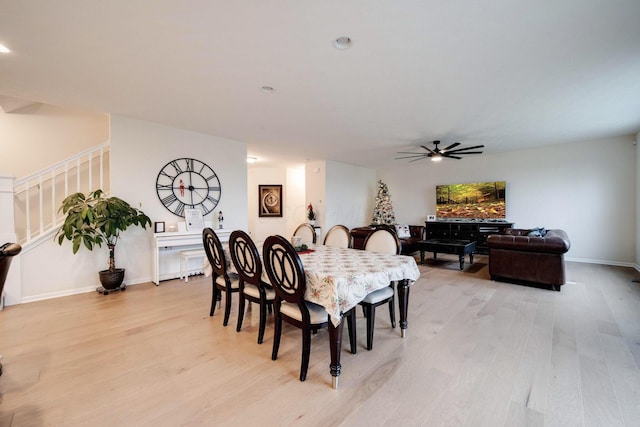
(339, 278)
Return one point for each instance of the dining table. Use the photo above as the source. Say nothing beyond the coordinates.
(339, 278)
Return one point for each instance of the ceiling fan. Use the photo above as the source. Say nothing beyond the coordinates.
(438, 154)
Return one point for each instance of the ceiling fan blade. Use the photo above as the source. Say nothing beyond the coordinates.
(448, 156)
(428, 149)
(415, 160)
(416, 156)
(455, 144)
(466, 152)
(466, 148)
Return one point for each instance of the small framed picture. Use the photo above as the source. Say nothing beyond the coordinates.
(158, 227)
(431, 217)
(270, 200)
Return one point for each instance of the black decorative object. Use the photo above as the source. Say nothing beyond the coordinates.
(188, 183)
(438, 154)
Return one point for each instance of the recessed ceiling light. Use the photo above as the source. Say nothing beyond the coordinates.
(343, 42)
(251, 159)
(267, 89)
(4, 49)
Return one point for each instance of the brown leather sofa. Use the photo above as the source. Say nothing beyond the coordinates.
(408, 245)
(520, 258)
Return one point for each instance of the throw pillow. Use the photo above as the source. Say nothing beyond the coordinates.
(403, 231)
(538, 232)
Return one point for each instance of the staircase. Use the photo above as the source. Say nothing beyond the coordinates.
(30, 216)
(38, 197)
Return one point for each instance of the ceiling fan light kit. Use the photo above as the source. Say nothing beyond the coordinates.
(437, 154)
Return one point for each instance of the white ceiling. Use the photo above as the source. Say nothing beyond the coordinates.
(509, 74)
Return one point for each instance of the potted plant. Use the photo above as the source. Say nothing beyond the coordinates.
(94, 219)
(311, 215)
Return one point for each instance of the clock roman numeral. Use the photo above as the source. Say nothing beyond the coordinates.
(212, 200)
(169, 199)
(180, 209)
(211, 177)
(176, 166)
(164, 186)
(189, 165)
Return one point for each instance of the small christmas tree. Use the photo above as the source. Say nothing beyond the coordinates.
(383, 211)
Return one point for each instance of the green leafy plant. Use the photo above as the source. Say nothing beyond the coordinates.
(94, 219)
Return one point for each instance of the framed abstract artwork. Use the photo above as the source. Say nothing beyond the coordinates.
(270, 200)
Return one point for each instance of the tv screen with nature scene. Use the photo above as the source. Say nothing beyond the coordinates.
(478, 200)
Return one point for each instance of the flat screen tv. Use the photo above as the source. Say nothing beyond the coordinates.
(477, 200)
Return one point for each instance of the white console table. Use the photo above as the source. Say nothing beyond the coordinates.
(168, 246)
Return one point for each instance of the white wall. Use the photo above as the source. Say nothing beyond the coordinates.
(587, 189)
(262, 227)
(637, 138)
(350, 195)
(139, 150)
(48, 134)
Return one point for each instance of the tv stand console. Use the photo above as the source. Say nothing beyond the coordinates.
(464, 229)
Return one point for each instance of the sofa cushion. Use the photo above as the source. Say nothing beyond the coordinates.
(403, 231)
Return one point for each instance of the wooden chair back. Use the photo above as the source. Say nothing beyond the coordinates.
(245, 257)
(284, 268)
(215, 252)
(383, 240)
(307, 232)
(338, 237)
(7, 252)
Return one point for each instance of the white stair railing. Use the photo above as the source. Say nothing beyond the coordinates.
(38, 197)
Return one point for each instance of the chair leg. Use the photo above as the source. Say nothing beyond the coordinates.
(277, 330)
(306, 350)
(214, 295)
(351, 323)
(371, 321)
(392, 311)
(240, 311)
(263, 321)
(227, 307)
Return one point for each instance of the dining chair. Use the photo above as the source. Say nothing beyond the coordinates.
(383, 240)
(221, 281)
(286, 274)
(307, 232)
(338, 236)
(246, 259)
(7, 252)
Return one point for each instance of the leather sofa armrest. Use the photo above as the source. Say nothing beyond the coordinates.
(554, 242)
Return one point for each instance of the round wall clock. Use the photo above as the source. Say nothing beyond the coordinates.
(188, 183)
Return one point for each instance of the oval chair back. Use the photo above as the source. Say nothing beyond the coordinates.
(284, 268)
(245, 257)
(285, 271)
(383, 240)
(307, 232)
(338, 237)
(220, 280)
(215, 252)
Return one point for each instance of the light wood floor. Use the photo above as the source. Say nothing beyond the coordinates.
(477, 353)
